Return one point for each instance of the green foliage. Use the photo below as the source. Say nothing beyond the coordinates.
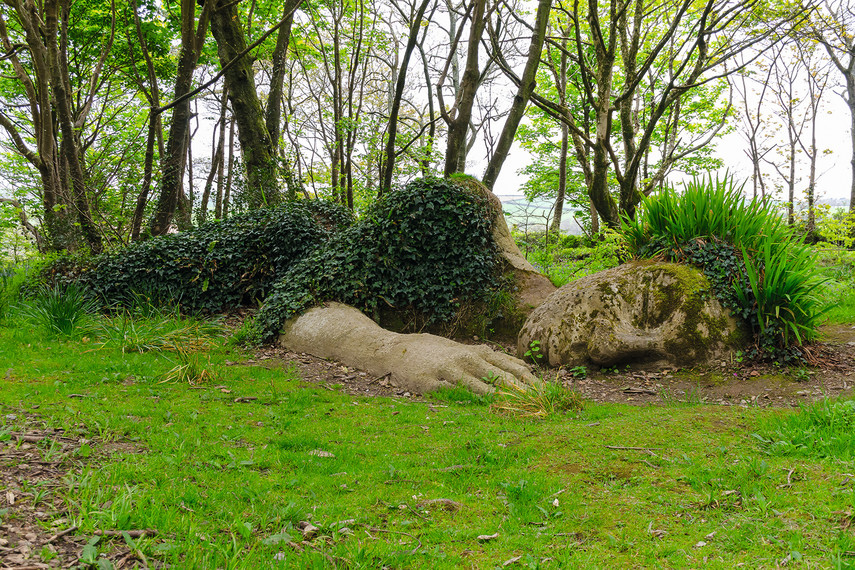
(565, 257)
(838, 268)
(756, 265)
(836, 226)
(823, 429)
(534, 354)
(541, 400)
(129, 332)
(247, 335)
(219, 265)
(424, 249)
(11, 280)
(62, 310)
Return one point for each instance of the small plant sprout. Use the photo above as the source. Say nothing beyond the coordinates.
(534, 353)
(579, 372)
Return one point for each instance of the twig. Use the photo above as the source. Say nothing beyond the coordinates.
(410, 552)
(132, 533)
(418, 514)
(60, 534)
(789, 482)
(622, 448)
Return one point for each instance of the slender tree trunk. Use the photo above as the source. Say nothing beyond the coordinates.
(562, 179)
(392, 130)
(256, 145)
(216, 159)
(459, 124)
(172, 163)
(230, 175)
(155, 129)
(185, 201)
(273, 113)
(520, 101)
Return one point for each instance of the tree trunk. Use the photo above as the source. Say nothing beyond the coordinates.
(172, 163)
(230, 175)
(459, 124)
(256, 145)
(68, 146)
(562, 179)
(392, 129)
(273, 113)
(216, 159)
(524, 91)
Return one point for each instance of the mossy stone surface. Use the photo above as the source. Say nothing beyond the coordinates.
(649, 312)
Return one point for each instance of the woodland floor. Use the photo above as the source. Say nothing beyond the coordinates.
(727, 383)
(26, 469)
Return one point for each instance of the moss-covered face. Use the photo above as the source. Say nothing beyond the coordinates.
(638, 312)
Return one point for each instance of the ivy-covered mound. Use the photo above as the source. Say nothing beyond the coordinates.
(220, 265)
(756, 265)
(424, 249)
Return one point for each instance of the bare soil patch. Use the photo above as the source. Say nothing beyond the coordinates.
(725, 383)
(39, 470)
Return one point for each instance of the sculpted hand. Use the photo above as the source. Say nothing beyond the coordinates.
(417, 362)
(425, 362)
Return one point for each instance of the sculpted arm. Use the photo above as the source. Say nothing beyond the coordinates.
(417, 362)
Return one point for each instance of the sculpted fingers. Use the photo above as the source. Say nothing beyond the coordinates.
(510, 365)
(477, 385)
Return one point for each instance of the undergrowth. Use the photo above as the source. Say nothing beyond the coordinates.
(563, 257)
(756, 265)
(823, 429)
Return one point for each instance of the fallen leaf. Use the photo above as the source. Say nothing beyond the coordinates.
(510, 561)
(310, 531)
(321, 453)
(486, 537)
(700, 544)
(10, 497)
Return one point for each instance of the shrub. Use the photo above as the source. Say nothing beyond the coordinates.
(221, 264)
(62, 310)
(423, 249)
(564, 258)
(756, 265)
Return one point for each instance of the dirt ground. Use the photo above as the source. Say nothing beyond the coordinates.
(39, 466)
(724, 383)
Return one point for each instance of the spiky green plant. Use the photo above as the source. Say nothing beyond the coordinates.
(757, 266)
(537, 401)
(704, 208)
(132, 333)
(66, 311)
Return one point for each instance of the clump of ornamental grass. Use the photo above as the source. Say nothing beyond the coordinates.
(62, 310)
(131, 333)
(190, 369)
(755, 263)
(540, 400)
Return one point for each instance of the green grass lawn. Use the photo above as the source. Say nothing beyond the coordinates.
(403, 484)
